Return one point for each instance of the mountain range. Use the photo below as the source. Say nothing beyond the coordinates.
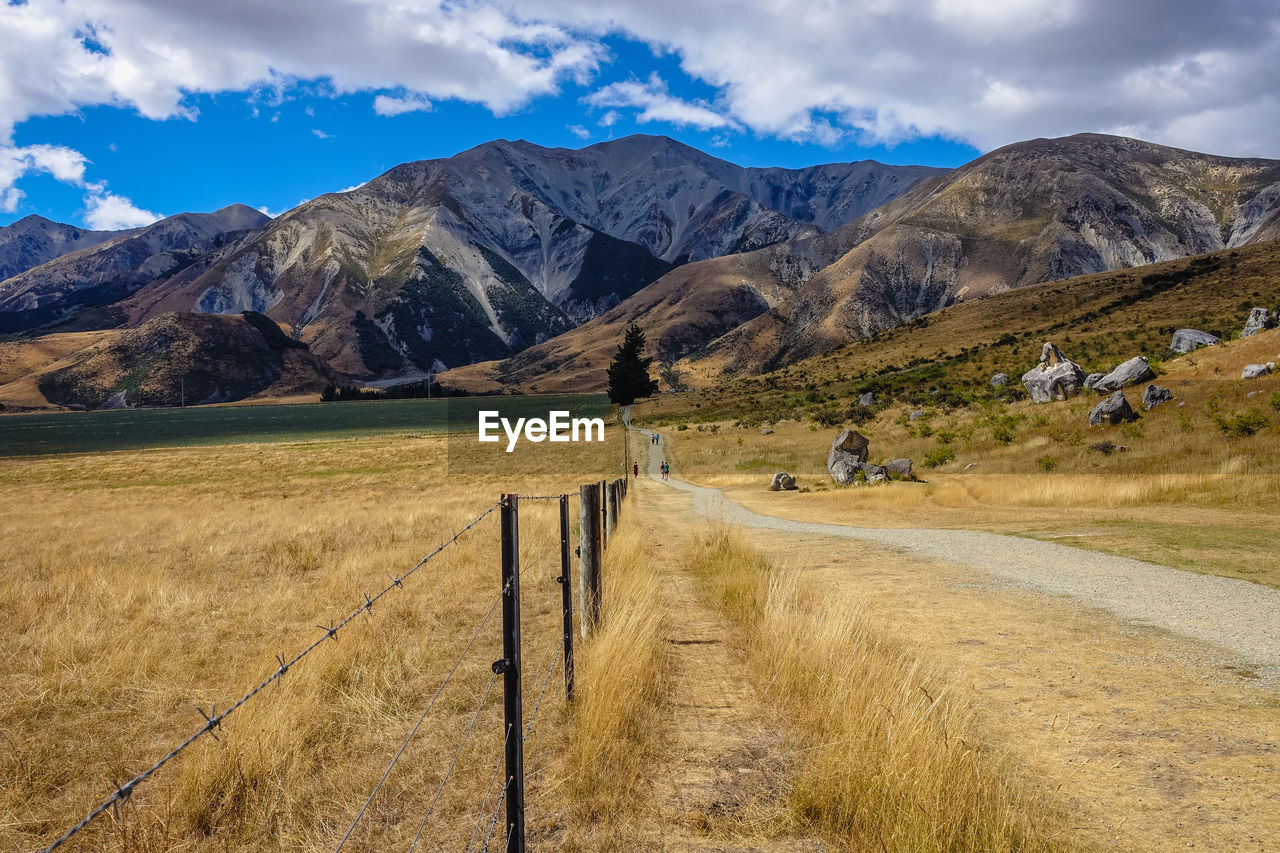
(526, 262)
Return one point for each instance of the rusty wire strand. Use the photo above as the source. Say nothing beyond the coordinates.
(213, 720)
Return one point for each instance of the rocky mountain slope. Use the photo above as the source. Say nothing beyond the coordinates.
(1036, 211)
(105, 272)
(446, 262)
(196, 358)
(34, 240)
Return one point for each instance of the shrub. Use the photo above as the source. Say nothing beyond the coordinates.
(940, 455)
(1275, 400)
(1106, 448)
(1184, 422)
(1243, 424)
(1046, 463)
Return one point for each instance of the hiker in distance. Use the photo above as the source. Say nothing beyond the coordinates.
(635, 470)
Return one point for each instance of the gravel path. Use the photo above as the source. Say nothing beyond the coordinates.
(1236, 615)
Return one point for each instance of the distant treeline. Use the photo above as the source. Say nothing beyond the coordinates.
(406, 391)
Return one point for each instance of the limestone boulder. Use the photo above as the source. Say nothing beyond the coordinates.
(1113, 410)
(1056, 377)
(999, 380)
(1259, 319)
(1131, 372)
(1185, 340)
(1254, 371)
(1154, 396)
(899, 468)
(782, 482)
(867, 399)
(1092, 379)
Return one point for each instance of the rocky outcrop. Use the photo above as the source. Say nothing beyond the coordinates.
(999, 380)
(1154, 396)
(867, 399)
(1259, 320)
(782, 482)
(847, 456)
(1056, 377)
(899, 469)
(1113, 410)
(1092, 379)
(1131, 372)
(1185, 340)
(1254, 371)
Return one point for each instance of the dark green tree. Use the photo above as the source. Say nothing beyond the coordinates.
(629, 371)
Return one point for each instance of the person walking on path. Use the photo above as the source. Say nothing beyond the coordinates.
(666, 469)
(635, 470)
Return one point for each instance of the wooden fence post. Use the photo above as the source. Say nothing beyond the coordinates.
(590, 548)
(566, 597)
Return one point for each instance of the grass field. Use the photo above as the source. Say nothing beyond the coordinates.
(1190, 489)
(93, 432)
(140, 585)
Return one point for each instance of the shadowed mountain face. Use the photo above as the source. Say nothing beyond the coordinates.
(34, 240)
(108, 270)
(1032, 212)
(446, 262)
(1037, 211)
(189, 358)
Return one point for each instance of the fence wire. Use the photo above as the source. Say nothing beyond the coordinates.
(396, 758)
(213, 719)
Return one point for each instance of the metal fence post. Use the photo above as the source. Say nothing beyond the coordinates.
(510, 669)
(566, 597)
(591, 524)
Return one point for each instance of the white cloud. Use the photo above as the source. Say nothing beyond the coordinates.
(320, 134)
(385, 105)
(106, 211)
(988, 72)
(154, 53)
(985, 71)
(656, 103)
(578, 131)
(266, 212)
(352, 187)
(10, 199)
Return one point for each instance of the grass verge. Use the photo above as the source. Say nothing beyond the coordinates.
(891, 758)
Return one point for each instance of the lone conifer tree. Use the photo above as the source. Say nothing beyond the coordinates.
(629, 371)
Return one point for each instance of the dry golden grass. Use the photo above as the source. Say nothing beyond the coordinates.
(891, 758)
(619, 700)
(140, 585)
(1184, 493)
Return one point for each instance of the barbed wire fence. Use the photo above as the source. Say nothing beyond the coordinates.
(599, 505)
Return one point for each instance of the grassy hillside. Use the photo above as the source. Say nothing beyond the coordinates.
(1097, 320)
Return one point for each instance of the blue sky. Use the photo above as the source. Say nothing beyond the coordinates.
(118, 111)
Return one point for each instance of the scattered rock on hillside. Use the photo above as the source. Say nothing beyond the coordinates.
(766, 431)
(1154, 396)
(848, 453)
(916, 415)
(1092, 379)
(782, 482)
(1113, 410)
(1185, 340)
(999, 380)
(1253, 371)
(900, 468)
(1055, 378)
(1131, 372)
(867, 399)
(1259, 319)
(875, 474)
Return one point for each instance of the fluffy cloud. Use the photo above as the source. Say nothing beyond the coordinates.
(988, 72)
(149, 54)
(385, 105)
(105, 211)
(655, 103)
